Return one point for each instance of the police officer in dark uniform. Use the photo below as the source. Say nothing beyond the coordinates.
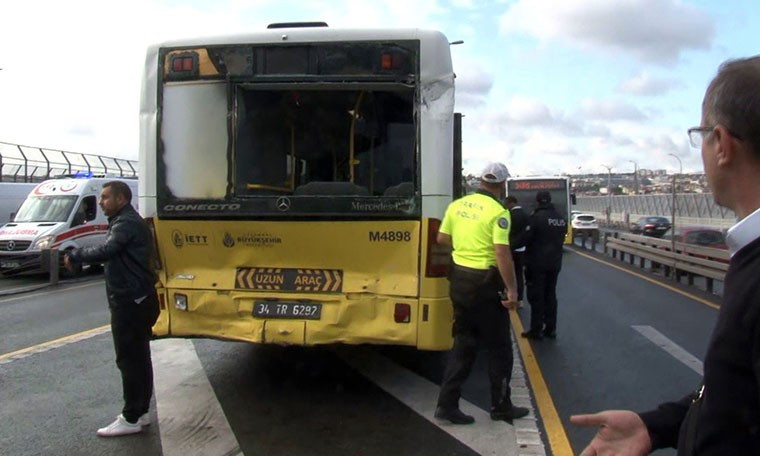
(543, 260)
(517, 242)
(477, 226)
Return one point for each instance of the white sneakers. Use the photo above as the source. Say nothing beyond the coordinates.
(121, 426)
(144, 419)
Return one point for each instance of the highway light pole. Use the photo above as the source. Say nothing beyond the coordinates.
(609, 194)
(680, 171)
(680, 165)
(673, 212)
(635, 177)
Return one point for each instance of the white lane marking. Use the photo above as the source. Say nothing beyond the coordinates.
(659, 339)
(53, 290)
(485, 436)
(190, 418)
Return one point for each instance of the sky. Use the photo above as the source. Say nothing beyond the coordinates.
(546, 86)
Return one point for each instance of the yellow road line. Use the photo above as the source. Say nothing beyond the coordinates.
(555, 431)
(649, 279)
(56, 342)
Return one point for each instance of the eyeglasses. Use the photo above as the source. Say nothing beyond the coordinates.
(697, 135)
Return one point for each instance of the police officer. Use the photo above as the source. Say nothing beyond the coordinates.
(543, 260)
(517, 242)
(477, 226)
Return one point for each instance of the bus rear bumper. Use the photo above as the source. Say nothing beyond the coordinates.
(347, 319)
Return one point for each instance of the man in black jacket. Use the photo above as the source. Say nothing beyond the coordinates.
(130, 288)
(517, 242)
(722, 417)
(544, 237)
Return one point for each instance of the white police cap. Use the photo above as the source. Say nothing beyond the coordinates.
(494, 173)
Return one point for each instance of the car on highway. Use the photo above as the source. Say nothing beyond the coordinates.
(703, 236)
(584, 224)
(651, 225)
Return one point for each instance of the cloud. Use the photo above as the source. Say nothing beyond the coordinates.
(610, 110)
(355, 14)
(528, 112)
(522, 102)
(645, 84)
(473, 84)
(520, 114)
(598, 130)
(657, 31)
(662, 144)
(466, 4)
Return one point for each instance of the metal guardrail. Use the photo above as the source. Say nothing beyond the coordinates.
(677, 259)
(50, 274)
(19, 163)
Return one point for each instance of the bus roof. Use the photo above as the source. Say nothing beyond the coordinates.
(435, 56)
(309, 35)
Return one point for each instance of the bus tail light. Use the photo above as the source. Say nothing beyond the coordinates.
(156, 254)
(402, 313)
(438, 255)
(387, 61)
(392, 60)
(183, 65)
(180, 301)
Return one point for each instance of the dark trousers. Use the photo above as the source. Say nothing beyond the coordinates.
(479, 319)
(131, 325)
(542, 296)
(517, 259)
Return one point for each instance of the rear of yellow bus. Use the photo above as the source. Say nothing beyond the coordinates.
(286, 191)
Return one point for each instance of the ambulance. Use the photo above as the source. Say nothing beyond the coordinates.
(60, 214)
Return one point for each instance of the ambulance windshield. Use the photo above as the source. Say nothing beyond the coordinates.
(45, 209)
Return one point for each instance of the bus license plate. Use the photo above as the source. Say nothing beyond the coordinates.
(284, 309)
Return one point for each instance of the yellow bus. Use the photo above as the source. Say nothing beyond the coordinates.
(525, 189)
(295, 179)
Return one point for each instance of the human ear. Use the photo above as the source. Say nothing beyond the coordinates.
(726, 147)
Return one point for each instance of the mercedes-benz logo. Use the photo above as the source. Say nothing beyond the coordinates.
(283, 204)
(11, 245)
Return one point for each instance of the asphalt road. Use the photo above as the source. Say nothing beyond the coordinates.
(276, 400)
(600, 359)
(614, 329)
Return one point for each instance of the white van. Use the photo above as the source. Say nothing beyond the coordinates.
(12, 194)
(59, 213)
